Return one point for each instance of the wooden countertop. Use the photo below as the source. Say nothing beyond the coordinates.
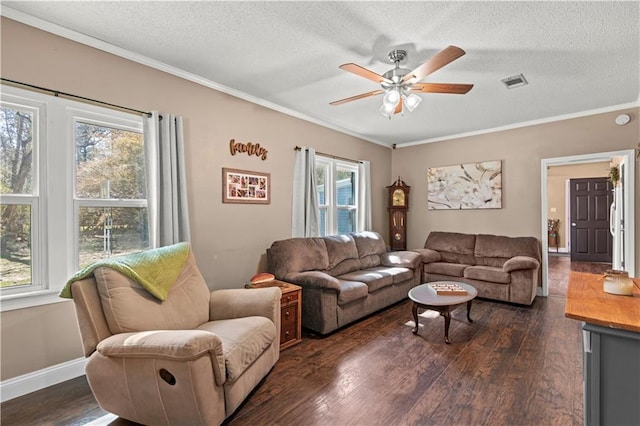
(588, 302)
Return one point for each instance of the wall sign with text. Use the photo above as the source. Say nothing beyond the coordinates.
(249, 148)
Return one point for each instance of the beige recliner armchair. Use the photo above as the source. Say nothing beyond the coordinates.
(188, 360)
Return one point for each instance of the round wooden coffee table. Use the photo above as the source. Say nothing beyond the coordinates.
(425, 297)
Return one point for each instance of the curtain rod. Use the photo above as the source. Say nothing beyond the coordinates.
(57, 93)
(335, 157)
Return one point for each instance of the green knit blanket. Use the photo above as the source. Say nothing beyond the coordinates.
(156, 270)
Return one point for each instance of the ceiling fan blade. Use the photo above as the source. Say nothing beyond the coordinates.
(363, 72)
(398, 108)
(457, 89)
(356, 97)
(434, 63)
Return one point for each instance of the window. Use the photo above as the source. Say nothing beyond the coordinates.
(110, 194)
(72, 191)
(19, 196)
(337, 195)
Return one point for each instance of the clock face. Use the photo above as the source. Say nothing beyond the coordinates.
(398, 197)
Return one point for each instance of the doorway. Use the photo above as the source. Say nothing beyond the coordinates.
(627, 250)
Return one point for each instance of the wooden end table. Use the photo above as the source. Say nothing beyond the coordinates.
(423, 296)
(290, 311)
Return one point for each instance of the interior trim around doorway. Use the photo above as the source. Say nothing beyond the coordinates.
(629, 201)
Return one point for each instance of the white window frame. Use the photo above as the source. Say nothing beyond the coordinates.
(331, 206)
(56, 231)
(36, 200)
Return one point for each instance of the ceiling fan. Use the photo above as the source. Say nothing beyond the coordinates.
(399, 85)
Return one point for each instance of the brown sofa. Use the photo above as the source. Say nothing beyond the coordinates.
(499, 267)
(343, 277)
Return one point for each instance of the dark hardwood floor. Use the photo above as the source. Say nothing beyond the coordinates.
(512, 365)
(560, 265)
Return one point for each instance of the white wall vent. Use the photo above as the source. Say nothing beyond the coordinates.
(515, 81)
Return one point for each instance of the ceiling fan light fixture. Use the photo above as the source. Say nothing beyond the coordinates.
(397, 84)
(412, 101)
(387, 110)
(391, 98)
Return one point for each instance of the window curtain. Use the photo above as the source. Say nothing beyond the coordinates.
(305, 213)
(364, 196)
(166, 180)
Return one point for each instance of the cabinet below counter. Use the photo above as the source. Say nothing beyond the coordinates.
(611, 349)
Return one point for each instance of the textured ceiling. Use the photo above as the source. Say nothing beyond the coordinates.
(578, 57)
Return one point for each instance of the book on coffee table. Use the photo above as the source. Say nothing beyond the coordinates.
(448, 289)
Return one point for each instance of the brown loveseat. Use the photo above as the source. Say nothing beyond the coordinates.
(343, 277)
(499, 267)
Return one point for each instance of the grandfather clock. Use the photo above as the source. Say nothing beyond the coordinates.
(398, 206)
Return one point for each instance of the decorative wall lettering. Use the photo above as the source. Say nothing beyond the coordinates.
(250, 148)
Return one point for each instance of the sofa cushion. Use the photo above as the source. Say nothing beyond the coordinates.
(398, 273)
(405, 259)
(443, 268)
(129, 307)
(342, 253)
(506, 247)
(487, 273)
(452, 246)
(297, 255)
(370, 246)
(243, 341)
(351, 291)
(374, 279)
(496, 262)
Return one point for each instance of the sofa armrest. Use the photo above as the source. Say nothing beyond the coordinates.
(175, 345)
(406, 259)
(239, 303)
(313, 279)
(428, 255)
(520, 262)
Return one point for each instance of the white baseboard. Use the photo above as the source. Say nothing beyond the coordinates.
(31, 382)
(560, 250)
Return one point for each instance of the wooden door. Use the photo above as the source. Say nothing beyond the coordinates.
(590, 199)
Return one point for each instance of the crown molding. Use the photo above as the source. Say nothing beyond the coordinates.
(546, 120)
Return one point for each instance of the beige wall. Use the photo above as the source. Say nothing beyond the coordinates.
(229, 240)
(521, 151)
(557, 177)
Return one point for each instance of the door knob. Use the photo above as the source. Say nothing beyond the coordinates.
(573, 224)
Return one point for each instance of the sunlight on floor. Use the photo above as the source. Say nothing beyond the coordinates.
(425, 314)
(103, 421)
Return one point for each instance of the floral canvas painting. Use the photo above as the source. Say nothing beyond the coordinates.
(465, 186)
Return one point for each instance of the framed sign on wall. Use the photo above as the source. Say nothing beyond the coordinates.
(245, 187)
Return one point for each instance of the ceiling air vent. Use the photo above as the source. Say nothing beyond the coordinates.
(515, 81)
